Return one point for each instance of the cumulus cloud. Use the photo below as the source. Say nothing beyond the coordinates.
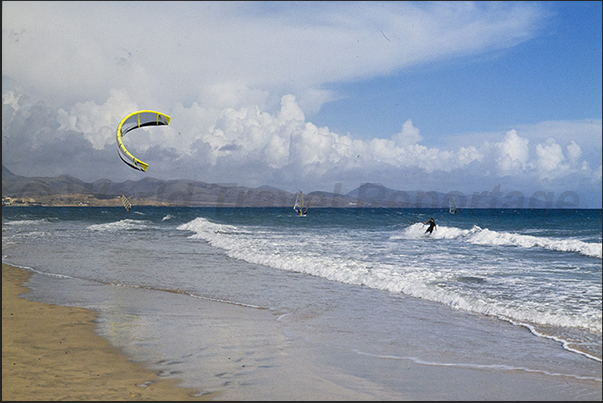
(254, 147)
(408, 135)
(97, 122)
(550, 158)
(242, 82)
(513, 153)
(574, 152)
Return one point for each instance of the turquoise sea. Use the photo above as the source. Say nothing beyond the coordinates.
(338, 301)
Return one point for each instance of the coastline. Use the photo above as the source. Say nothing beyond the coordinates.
(52, 352)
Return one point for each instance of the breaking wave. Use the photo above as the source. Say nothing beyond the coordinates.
(481, 236)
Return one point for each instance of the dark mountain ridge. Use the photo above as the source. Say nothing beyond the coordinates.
(68, 190)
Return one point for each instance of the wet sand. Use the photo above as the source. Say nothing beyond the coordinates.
(52, 352)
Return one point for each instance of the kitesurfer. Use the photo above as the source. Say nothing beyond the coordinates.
(432, 225)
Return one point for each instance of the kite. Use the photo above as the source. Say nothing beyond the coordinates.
(133, 121)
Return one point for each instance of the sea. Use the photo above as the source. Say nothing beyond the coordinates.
(342, 304)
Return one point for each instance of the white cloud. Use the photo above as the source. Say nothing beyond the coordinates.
(230, 55)
(290, 110)
(253, 147)
(408, 135)
(513, 153)
(551, 162)
(574, 152)
(550, 159)
(97, 122)
(242, 82)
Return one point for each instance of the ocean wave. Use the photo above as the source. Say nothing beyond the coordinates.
(284, 253)
(207, 230)
(121, 225)
(481, 236)
(27, 222)
(25, 235)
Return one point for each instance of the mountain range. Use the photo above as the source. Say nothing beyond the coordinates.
(66, 190)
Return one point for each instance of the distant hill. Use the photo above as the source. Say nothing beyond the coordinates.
(378, 195)
(375, 194)
(68, 190)
(9, 176)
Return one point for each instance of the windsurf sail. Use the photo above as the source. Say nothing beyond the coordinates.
(452, 206)
(299, 206)
(133, 121)
(126, 203)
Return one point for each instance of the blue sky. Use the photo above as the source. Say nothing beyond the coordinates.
(554, 76)
(444, 96)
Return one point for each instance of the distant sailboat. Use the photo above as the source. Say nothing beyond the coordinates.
(126, 203)
(452, 206)
(299, 206)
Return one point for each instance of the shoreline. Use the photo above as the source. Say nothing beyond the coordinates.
(55, 352)
(52, 352)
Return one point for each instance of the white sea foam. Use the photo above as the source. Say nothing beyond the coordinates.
(28, 268)
(333, 256)
(121, 225)
(26, 222)
(30, 234)
(479, 236)
(489, 367)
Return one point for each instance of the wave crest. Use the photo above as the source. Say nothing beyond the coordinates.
(121, 225)
(484, 236)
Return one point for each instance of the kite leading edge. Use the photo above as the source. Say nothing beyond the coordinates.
(133, 121)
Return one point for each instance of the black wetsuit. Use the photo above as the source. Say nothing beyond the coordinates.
(432, 225)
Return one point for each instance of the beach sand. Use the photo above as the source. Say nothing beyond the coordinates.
(52, 352)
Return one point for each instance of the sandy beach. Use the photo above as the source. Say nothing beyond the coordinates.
(239, 353)
(52, 352)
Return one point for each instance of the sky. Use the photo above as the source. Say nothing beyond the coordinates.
(466, 97)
